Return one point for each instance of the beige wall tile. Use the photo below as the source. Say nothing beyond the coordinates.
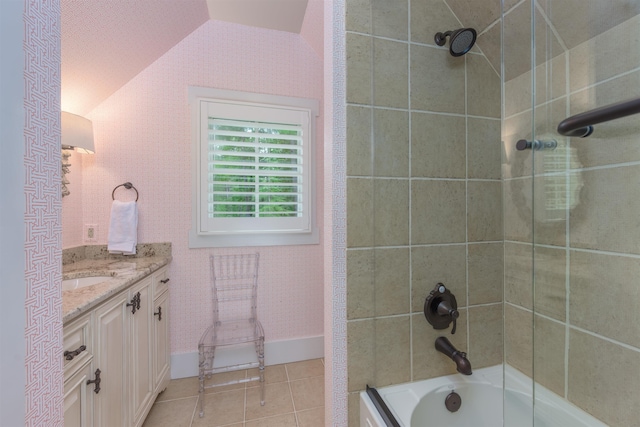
(615, 141)
(390, 73)
(358, 16)
(359, 209)
(518, 94)
(485, 336)
(550, 282)
(551, 79)
(549, 354)
(360, 285)
(485, 271)
(391, 273)
(359, 144)
(359, 65)
(517, 28)
(603, 379)
(354, 409)
(483, 87)
(391, 212)
(518, 330)
(427, 361)
(598, 59)
(473, 15)
(390, 18)
(490, 43)
(604, 295)
(484, 148)
(484, 221)
(517, 209)
(437, 211)
(361, 342)
(429, 17)
(518, 274)
(516, 163)
(438, 264)
(391, 143)
(437, 80)
(393, 350)
(579, 20)
(438, 146)
(607, 191)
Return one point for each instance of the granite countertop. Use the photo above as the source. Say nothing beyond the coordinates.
(123, 270)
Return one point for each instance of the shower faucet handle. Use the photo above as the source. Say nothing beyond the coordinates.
(441, 308)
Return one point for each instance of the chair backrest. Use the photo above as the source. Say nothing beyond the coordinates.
(235, 287)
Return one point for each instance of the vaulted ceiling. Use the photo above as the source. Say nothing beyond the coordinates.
(105, 43)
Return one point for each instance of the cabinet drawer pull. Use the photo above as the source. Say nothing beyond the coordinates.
(96, 382)
(159, 313)
(164, 281)
(69, 355)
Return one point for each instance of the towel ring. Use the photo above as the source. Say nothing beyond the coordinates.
(126, 185)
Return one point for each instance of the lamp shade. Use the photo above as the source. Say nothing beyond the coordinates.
(77, 132)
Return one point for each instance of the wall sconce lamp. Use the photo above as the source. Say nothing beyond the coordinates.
(77, 133)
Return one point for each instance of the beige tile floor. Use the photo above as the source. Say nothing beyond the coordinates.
(294, 397)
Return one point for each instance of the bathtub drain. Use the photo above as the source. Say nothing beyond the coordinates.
(453, 402)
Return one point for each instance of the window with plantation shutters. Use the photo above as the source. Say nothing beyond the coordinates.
(254, 179)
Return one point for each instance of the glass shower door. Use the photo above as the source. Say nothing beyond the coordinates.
(585, 225)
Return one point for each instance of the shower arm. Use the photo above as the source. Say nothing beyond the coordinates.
(581, 125)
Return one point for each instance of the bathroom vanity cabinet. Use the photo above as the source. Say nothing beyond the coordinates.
(120, 357)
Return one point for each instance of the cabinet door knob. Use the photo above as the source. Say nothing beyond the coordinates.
(135, 303)
(159, 313)
(164, 281)
(96, 382)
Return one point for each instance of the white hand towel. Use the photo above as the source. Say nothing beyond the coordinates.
(123, 228)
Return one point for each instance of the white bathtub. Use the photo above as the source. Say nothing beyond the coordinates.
(421, 404)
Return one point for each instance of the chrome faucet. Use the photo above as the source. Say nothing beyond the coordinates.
(444, 346)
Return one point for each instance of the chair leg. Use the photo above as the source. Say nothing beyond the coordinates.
(202, 363)
(261, 367)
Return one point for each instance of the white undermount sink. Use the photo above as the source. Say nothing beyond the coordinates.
(81, 282)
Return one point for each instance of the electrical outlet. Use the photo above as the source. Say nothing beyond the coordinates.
(90, 233)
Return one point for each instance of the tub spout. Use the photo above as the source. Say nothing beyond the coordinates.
(444, 346)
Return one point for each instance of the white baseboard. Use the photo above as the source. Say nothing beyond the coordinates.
(185, 365)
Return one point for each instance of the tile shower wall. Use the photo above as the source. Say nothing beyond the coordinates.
(587, 258)
(423, 191)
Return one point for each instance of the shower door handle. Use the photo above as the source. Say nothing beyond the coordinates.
(536, 144)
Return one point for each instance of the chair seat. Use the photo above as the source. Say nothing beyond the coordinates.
(232, 332)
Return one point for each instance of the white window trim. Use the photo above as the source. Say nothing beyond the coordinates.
(221, 239)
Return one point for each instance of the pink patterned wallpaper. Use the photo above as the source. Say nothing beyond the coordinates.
(43, 231)
(142, 135)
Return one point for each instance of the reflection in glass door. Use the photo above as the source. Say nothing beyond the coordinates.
(572, 223)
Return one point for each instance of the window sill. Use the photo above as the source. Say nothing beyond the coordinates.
(242, 240)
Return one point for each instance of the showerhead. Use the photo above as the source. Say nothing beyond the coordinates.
(460, 41)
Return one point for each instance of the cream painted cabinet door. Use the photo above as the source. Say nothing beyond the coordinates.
(78, 401)
(161, 335)
(141, 366)
(111, 337)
